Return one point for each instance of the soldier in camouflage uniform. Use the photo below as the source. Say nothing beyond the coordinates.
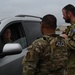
(37, 59)
(69, 17)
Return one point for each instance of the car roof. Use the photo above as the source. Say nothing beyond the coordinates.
(5, 21)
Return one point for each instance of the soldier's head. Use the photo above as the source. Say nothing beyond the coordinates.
(48, 24)
(68, 13)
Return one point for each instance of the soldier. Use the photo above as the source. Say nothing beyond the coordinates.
(37, 60)
(69, 17)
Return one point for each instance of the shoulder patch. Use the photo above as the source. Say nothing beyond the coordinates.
(73, 31)
(29, 56)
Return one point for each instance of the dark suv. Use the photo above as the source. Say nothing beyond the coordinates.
(24, 29)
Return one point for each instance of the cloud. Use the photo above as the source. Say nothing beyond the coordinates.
(33, 7)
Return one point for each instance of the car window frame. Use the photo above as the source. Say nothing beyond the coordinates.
(21, 30)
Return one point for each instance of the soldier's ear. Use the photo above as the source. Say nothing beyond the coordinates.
(69, 13)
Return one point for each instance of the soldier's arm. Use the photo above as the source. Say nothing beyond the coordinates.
(30, 61)
(67, 30)
(71, 39)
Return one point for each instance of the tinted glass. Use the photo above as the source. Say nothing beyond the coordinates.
(32, 30)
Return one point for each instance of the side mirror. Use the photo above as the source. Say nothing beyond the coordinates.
(12, 48)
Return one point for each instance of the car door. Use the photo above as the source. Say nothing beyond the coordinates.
(32, 30)
(24, 33)
(11, 64)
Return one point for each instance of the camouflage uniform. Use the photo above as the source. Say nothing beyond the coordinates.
(67, 30)
(70, 70)
(37, 59)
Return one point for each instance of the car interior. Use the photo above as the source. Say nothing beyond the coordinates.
(17, 35)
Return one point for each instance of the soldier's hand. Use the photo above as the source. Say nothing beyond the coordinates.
(64, 35)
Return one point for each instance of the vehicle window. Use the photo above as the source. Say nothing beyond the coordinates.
(17, 35)
(32, 29)
(22, 42)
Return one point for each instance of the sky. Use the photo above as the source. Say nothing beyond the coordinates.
(39, 8)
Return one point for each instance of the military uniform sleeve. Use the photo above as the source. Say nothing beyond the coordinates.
(31, 59)
(71, 38)
(67, 30)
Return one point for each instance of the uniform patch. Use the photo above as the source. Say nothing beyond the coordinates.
(60, 43)
(30, 56)
(73, 30)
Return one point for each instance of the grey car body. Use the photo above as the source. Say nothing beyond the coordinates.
(25, 29)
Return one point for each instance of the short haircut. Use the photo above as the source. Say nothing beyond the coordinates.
(70, 8)
(50, 20)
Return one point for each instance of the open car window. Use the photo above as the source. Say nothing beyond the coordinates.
(17, 35)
